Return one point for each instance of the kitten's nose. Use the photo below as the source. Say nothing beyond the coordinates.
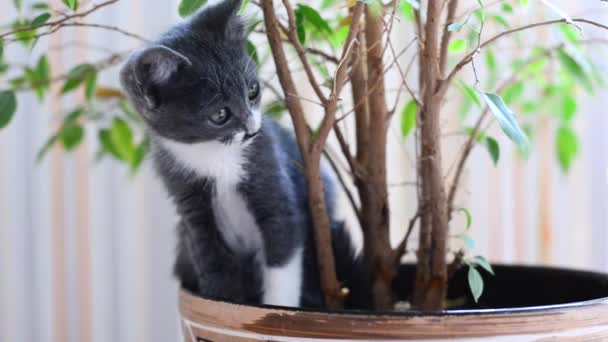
(254, 122)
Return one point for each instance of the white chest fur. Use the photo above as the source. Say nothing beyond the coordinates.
(224, 164)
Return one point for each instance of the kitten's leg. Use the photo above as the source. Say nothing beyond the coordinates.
(283, 284)
(218, 273)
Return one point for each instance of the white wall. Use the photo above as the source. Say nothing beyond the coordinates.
(86, 249)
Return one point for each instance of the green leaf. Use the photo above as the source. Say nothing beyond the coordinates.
(408, 117)
(187, 7)
(46, 147)
(122, 139)
(500, 19)
(475, 283)
(243, 6)
(469, 219)
(77, 76)
(41, 6)
(493, 149)
(506, 119)
(253, 52)
(90, 85)
(26, 37)
(71, 135)
(72, 4)
(8, 107)
(338, 38)
(300, 29)
(569, 107)
(407, 10)
(513, 92)
(469, 243)
(507, 8)
(455, 27)
(483, 263)
(18, 5)
(567, 147)
(575, 68)
(569, 33)
(139, 156)
(275, 109)
(107, 144)
(468, 91)
(523, 3)
(312, 16)
(41, 19)
(457, 45)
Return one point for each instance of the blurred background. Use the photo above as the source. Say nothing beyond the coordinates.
(87, 245)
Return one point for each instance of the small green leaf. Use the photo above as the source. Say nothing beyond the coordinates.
(408, 117)
(107, 144)
(500, 19)
(569, 107)
(46, 147)
(475, 283)
(71, 135)
(407, 10)
(457, 45)
(77, 76)
(253, 52)
(468, 217)
(243, 6)
(575, 68)
(41, 6)
(469, 243)
(506, 119)
(569, 33)
(139, 156)
(312, 16)
(8, 107)
(513, 92)
(187, 7)
(300, 29)
(72, 4)
(275, 109)
(40, 20)
(507, 8)
(455, 27)
(483, 263)
(523, 3)
(493, 149)
(90, 85)
(567, 147)
(122, 140)
(468, 91)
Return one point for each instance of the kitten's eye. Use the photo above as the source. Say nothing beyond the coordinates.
(254, 90)
(220, 117)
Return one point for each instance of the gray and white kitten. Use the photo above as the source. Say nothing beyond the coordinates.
(234, 176)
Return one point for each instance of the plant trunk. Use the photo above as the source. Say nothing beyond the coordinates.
(311, 159)
(431, 273)
(373, 187)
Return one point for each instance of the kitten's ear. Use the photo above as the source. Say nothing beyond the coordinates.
(222, 18)
(152, 69)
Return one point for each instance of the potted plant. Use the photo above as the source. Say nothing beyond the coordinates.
(345, 49)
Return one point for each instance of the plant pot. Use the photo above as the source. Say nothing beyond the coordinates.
(519, 304)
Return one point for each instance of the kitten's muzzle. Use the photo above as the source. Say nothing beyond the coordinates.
(249, 136)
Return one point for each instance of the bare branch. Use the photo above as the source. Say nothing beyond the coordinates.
(402, 247)
(447, 36)
(467, 59)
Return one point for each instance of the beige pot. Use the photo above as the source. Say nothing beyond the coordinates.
(585, 320)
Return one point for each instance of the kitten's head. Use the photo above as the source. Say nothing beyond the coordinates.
(197, 83)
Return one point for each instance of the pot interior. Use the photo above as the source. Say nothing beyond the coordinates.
(516, 287)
